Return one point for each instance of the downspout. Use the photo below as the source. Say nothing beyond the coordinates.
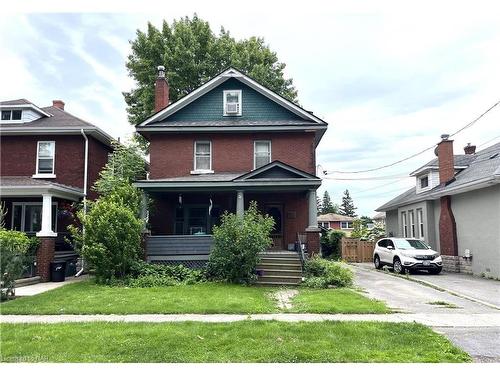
(85, 169)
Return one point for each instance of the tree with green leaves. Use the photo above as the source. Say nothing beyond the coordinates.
(192, 54)
(327, 206)
(347, 207)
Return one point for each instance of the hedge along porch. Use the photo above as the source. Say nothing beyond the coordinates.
(186, 208)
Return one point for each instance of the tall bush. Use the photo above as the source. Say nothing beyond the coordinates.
(111, 241)
(14, 246)
(331, 246)
(237, 244)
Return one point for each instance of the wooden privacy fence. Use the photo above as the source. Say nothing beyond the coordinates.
(357, 251)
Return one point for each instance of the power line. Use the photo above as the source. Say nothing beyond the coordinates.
(420, 152)
(379, 186)
(389, 177)
(492, 139)
(385, 192)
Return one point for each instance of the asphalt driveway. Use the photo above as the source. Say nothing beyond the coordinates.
(463, 294)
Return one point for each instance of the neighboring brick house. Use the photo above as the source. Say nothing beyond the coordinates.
(455, 207)
(229, 142)
(49, 159)
(336, 221)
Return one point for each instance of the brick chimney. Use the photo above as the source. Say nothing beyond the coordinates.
(445, 159)
(58, 104)
(470, 149)
(161, 90)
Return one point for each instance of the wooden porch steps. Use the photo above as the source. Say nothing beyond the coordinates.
(279, 268)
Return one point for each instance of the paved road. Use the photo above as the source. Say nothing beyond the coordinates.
(482, 343)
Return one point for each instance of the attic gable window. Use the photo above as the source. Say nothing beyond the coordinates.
(424, 182)
(232, 102)
(12, 115)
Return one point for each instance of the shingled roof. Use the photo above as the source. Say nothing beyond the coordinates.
(482, 167)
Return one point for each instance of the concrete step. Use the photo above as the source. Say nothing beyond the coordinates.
(280, 266)
(28, 281)
(280, 279)
(279, 272)
(276, 283)
(281, 260)
(288, 254)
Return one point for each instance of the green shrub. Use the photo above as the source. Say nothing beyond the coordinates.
(14, 246)
(331, 246)
(237, 244)
(315, 282)
(172, 275)
(111, 243)
(331, 273)
(149, 281)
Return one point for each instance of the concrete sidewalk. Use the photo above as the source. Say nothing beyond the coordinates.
(31, 290)
(431, 320)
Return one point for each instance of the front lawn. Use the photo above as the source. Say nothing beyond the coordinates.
(248, 341)
(336, 301)
(86, 297)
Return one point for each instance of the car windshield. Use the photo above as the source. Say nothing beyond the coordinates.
(404, 244)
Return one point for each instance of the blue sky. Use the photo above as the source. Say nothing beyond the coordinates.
(388, 78)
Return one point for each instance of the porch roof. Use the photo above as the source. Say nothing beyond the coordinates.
(25, 186)
(275, 176)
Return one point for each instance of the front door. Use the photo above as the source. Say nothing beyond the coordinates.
(276, 212)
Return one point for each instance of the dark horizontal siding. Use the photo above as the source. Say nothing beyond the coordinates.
(192, 251)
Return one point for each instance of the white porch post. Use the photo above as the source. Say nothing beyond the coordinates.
(240, 203)
(144, 209)
(46, 230)
(313, 210)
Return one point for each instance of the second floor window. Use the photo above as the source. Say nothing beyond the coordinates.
(45, 157)
(203, 156)
(262, 153)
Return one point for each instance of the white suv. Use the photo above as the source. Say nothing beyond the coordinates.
(406, 254)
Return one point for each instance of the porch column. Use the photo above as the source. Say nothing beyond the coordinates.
(46, 230)
(45, 252)
(312, 231)
(240, 203)
(144, 214)
(313, 210)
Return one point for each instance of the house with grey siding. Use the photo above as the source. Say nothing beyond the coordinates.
(454, 207)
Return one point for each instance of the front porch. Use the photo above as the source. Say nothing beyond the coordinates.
(185, 210)
(40, 208)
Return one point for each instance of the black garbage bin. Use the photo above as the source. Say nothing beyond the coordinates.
(57, 271)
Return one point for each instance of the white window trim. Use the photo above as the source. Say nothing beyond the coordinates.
(23, 213)
(201, 171)
(411, 222)
(240, 102)
(45, 175)
(404, 223)
(420, 221)
(255, 153)
(347, 225)
(11, 121)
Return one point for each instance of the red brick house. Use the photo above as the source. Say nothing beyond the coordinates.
(227, 143)
(49, 160)
(336, 221)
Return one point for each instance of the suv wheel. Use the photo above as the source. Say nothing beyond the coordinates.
(376, 262)
(397, 266)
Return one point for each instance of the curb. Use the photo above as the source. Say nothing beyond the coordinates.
(434, 286)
